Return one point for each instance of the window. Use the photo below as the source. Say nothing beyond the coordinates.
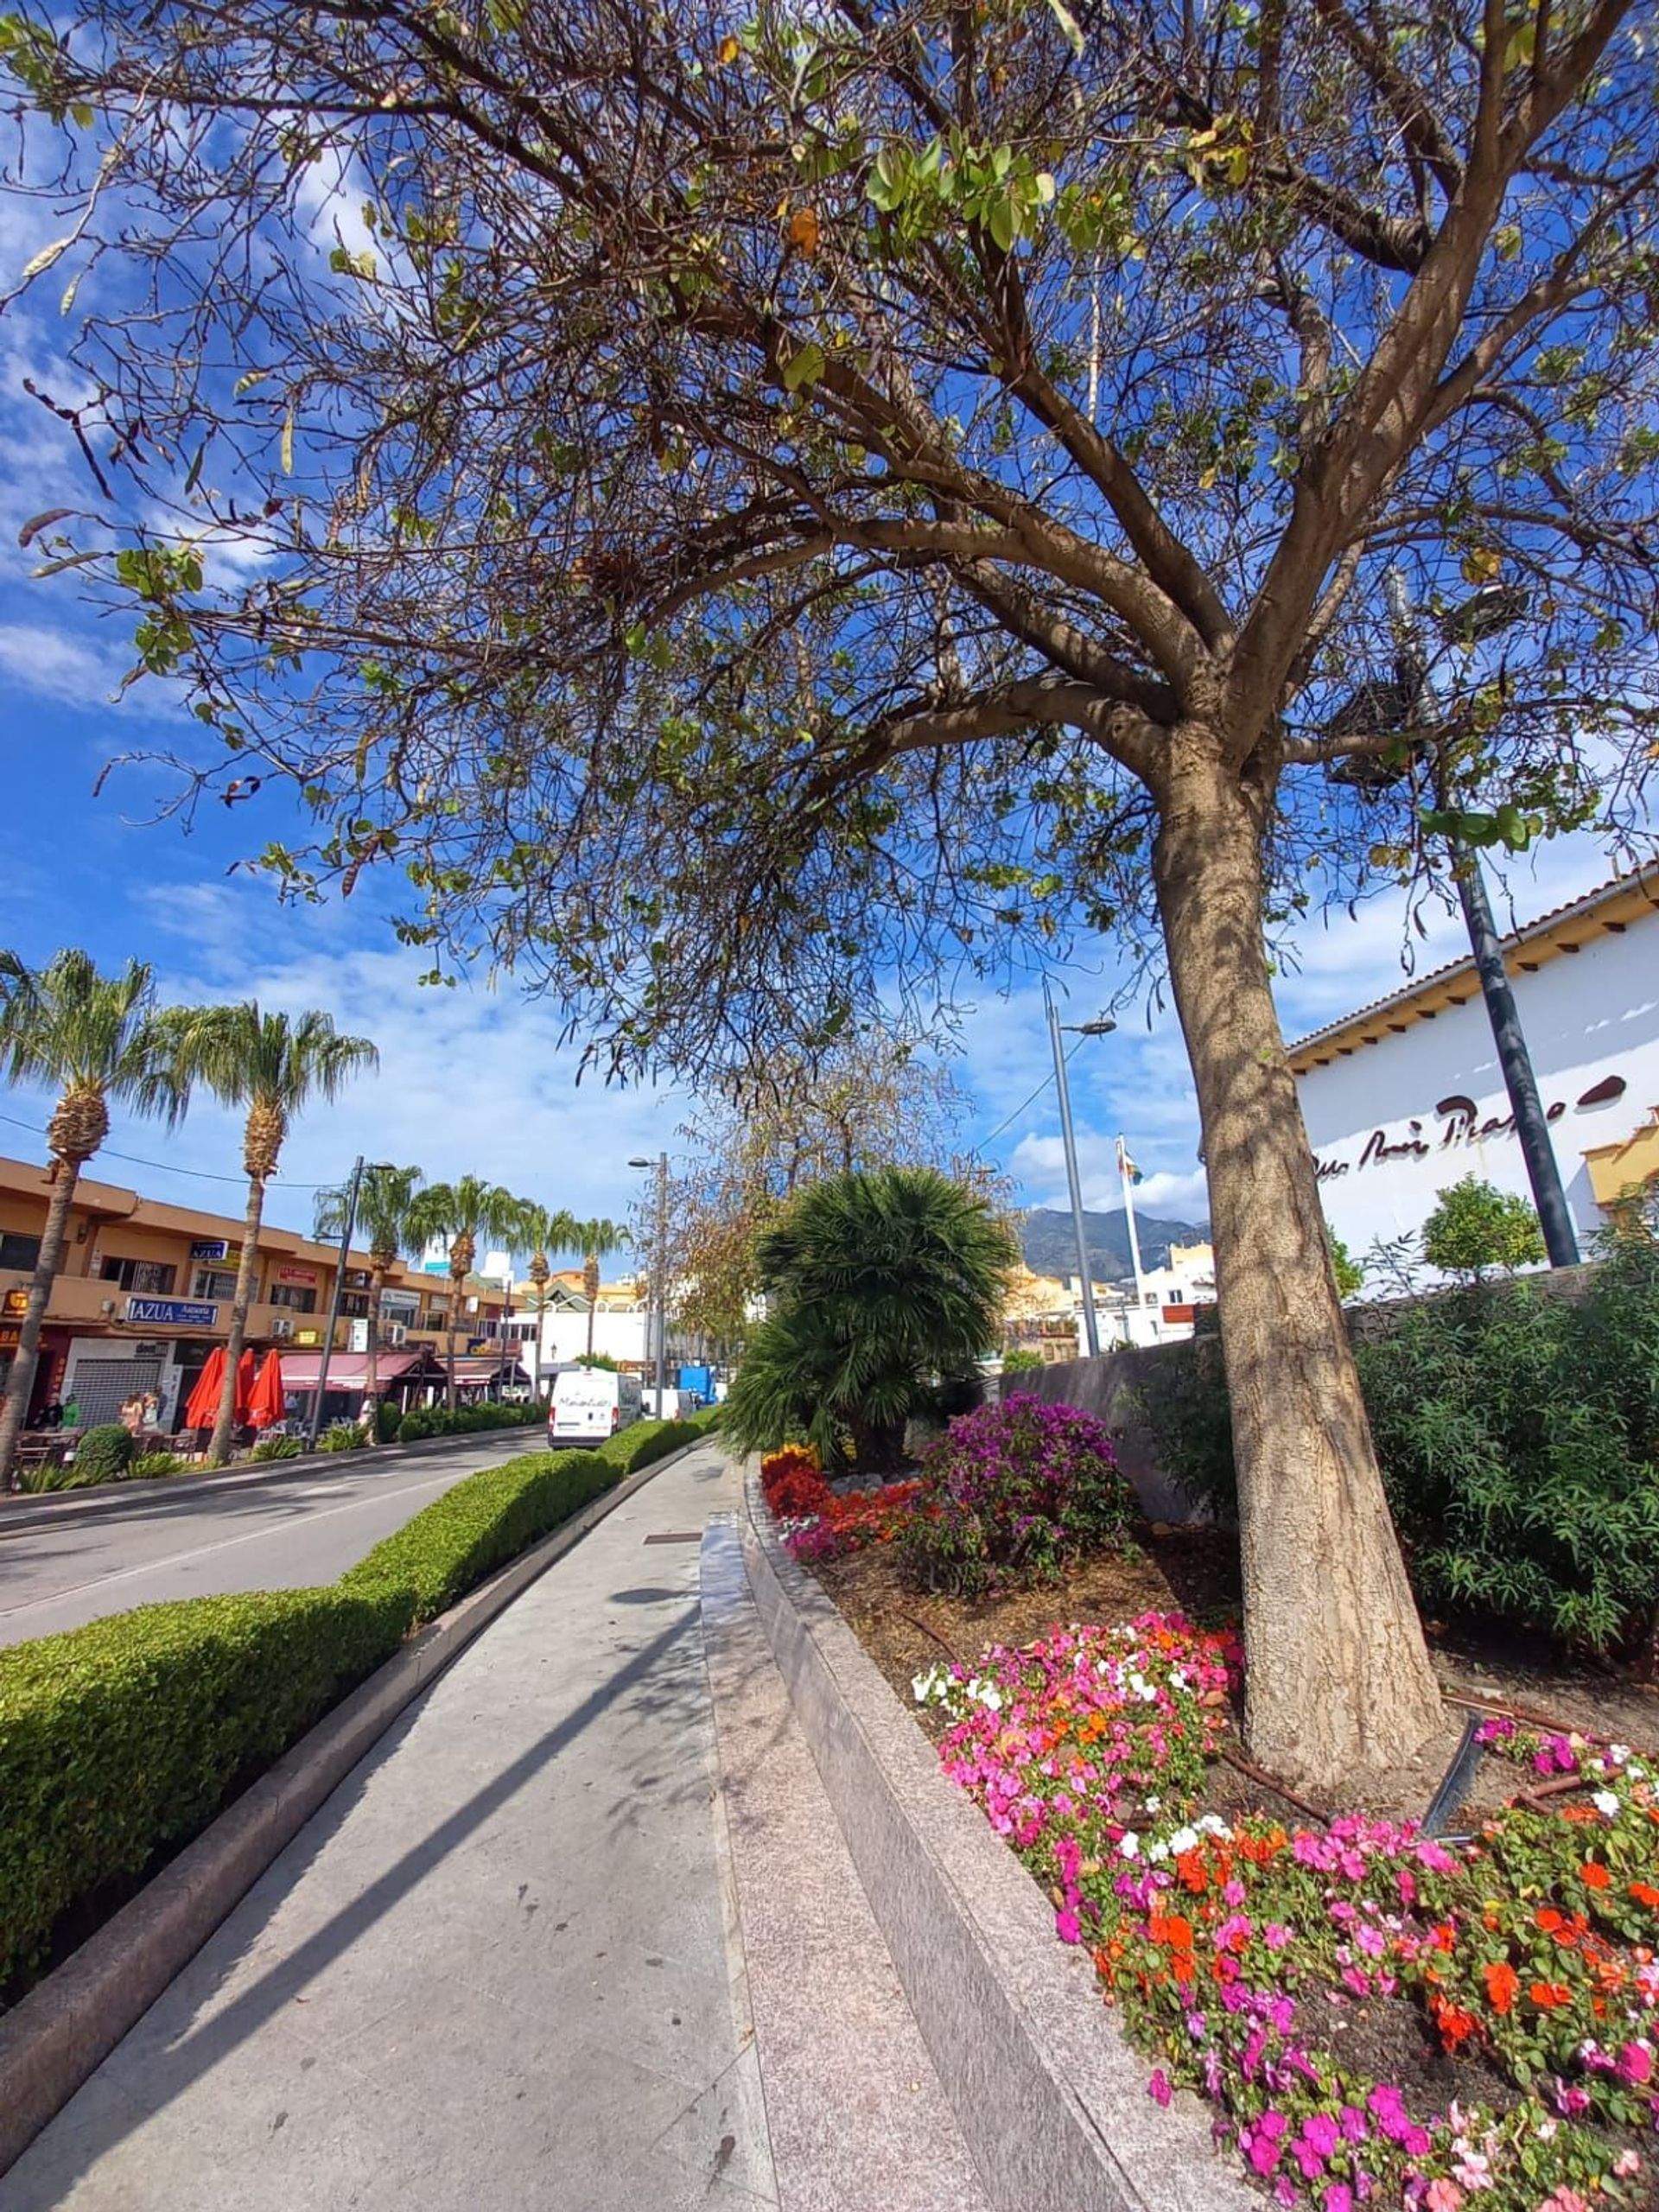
(298, 1299)
(214, 1282)
(151, 1278)
(19, 1254)
(355, 1303)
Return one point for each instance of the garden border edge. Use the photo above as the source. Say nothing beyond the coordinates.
(57, 2036)
(1050, 2097)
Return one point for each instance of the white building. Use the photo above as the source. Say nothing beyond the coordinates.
(1406, 1096)
(620, 1326)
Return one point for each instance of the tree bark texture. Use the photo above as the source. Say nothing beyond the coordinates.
(372, 1361)
(21, 1380)
(457, 1283)
(1338, 1677)
(218, 1445)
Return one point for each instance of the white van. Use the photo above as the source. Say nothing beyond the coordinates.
(676, 1405)
(590, 1403)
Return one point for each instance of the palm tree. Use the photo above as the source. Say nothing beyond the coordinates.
(386, 1199)
(878, 1283)
(274, 1066)
(461, 1212)
(595, 1240)
(541, 1230)
(96, 1039)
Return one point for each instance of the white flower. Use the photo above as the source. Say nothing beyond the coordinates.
(1178, 1677)
(1605, 1802)
(1157, 1851)
(1618, 1753)
(1155, 1804)
(1184, 1840)
(925, 1685)
(990, 1697)
(1128, 1844)
(1213, 1824)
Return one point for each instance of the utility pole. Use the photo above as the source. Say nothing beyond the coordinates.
(1543, 1172)
(660, 1272)
(333, 1305)
(1091, 1325)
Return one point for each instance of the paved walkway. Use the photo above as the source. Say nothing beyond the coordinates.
(498, 1969)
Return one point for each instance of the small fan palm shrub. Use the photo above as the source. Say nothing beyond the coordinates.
(879, 1284)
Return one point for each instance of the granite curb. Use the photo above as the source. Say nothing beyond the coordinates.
(62, 2032)
(1050, 2100)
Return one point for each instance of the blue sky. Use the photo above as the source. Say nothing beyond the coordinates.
(471, 1079)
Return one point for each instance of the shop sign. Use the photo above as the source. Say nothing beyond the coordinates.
(1459, 1129)
(210, 1247)
(175, 1313)
(16, 1301)
(307, 1336)
(305, 1276)
(11, 1334)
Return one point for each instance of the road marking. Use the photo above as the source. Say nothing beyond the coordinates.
(202, 1551)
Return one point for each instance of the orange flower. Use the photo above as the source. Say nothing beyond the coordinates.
(1502, 1982)
(1548, 1996)
(1644, 1893)
(1594, 1876)
(1456, 2026)
(1191, 1868)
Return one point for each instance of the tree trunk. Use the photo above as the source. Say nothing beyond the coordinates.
(457, 1283)
(590, 1287)
(218, 1445)
(21, 1380)
(1339, 1681)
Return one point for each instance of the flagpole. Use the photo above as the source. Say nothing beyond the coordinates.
(1129, 1217)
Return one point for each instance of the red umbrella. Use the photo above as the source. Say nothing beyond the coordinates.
(266, 1404)
(245, 1368)
(202, 1406)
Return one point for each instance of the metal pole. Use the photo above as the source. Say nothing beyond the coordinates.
(1537, 1151)
(333, 1305)
(1091, 1325)
(1129, 1217)
(662, 1285)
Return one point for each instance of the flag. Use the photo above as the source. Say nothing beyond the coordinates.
(1126, 1167)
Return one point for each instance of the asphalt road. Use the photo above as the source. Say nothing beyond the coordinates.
(72, 1558)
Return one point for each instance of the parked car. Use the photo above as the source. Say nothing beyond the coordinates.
(590, 1403)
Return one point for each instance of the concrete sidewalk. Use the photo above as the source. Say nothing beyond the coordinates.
(498, 1969)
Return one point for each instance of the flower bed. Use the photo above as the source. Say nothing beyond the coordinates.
(1375, 2017)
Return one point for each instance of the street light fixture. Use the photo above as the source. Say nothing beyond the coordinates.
(1411, 701)
(659, 1300)
(1101, 1025)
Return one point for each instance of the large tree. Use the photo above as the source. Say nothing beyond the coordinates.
(271, 1065)
(458, 1214)
(97, 1040)
(763, 508)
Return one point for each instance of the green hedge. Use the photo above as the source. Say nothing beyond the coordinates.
(122, 1738)
(469, 1420)
(486, 1519)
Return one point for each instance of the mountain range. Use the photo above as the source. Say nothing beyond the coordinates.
(1050, 1244)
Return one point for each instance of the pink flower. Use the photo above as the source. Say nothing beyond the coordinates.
(1158, 2088)
(1275, 1935)
(1338, 2198)
(1635, 2063)
(1443, 2195)
(1068, 1927)
(1627, 2163)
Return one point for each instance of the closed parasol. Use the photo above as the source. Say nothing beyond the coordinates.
(202, 1404)
(266, 1401)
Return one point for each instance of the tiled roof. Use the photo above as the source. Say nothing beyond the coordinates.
(1633, 892)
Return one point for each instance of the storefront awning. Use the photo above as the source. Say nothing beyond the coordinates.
(347, 1370)
(474, 1369)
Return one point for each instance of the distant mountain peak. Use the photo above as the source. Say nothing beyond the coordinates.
(1050, 1245)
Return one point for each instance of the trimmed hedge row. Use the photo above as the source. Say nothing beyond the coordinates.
(125, 1737)
(121, 1738)
(482, 1522)
(468, 1420)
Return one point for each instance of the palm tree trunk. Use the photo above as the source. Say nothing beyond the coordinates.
(456, 1284)
(219, 1447)
(371, 1365)
(21, 1380)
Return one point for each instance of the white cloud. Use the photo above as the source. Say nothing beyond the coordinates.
(55, 664)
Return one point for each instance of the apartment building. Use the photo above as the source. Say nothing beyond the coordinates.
(145, 1290)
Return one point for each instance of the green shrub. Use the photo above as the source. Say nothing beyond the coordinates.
(149, 1465)
(1518, 1434)
(103, 1455)
(276, 1447)
(485, 1520)
(1013, 1492)
(388, 1419)
(636, 1446)
(1477, 1230)
(468, 1420)
(341, 1436)
(123, 1738)
(1020, 1359)
(415, 1425)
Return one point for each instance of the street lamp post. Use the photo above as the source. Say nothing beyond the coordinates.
(658, 1306)
(1098, 1028)
(1532, 1130)
(352, 1191)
